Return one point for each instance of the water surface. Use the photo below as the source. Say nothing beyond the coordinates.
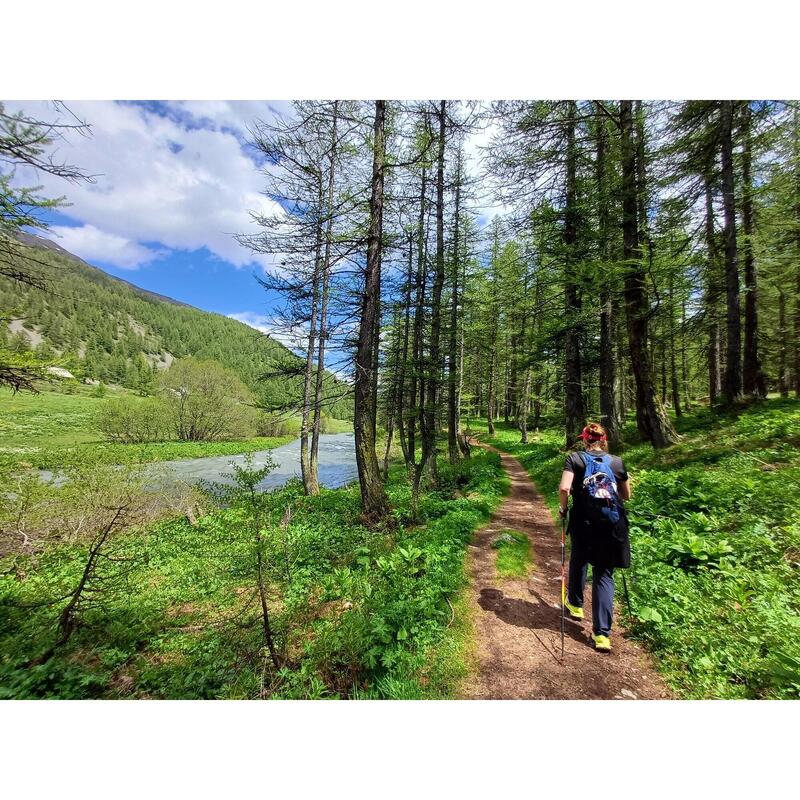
(337, 464)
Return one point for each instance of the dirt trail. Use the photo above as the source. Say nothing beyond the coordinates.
(518, 623)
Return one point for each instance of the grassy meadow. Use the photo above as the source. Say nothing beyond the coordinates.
(42, 430)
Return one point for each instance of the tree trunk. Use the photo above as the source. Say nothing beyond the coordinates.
(573, 383)
(783, 383)
(622, 373)
(733, 361)
(506, 384)
(608, 400)
(453, 449)
(462, 440)
(714, 370)
(431, 378)
(538, 383)
(309, 477)
(653, 420)
(417, 392)
(796, 132)
(493, 326)
(523, 394)
(323, 314)
(417, 418)
(673, 362)
(373, 496)
(684, 364)
(434, 371)
(401, 377)
(753, 380)
(525, 407)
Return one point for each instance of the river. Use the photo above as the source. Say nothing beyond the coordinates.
(337, 464)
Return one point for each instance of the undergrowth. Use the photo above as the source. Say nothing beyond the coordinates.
(360, 613)
(716, 547)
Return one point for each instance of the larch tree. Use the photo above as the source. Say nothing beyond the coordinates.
(651, 418)
(375, 503)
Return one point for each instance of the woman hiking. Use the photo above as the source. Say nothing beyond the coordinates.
(598, 527)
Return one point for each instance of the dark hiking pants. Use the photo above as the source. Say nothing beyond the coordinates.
(602, 592)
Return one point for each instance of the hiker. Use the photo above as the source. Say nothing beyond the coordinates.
(598, 527)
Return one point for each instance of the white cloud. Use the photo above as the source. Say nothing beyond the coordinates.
(261, 322)
(179, 177)
(181, 180)
(92, 244)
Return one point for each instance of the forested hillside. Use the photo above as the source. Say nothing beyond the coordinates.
(109, 330)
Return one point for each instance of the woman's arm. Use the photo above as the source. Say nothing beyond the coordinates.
(624, 489)
(563, 491)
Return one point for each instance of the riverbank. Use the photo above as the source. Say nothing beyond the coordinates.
(48, 429)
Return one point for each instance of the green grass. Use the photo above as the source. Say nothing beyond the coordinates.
(453, 659)
(338, 425)
(514, 556)
(49, 419)
(364, 613)
(115, 453)
(716, 546)
(44, 430)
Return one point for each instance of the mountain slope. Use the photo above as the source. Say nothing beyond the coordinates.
(108, 329)
(41, 243)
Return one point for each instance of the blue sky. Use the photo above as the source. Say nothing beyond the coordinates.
(173, 182)
(198, 277)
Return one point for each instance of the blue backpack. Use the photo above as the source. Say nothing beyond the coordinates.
(600, 489)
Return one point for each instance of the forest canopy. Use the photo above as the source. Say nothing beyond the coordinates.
(646, 260)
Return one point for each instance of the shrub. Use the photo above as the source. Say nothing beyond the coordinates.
(207, 402)
(130, 421)
(271, 425)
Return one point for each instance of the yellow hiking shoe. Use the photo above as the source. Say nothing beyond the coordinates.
(602, 643)
(574, 611)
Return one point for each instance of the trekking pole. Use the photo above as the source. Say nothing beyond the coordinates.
(563, 581)
(627, 596)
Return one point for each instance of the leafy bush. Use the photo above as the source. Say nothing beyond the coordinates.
(130, 420)
(270, 425)
(207, 402)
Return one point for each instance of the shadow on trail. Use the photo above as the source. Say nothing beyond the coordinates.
(541, 616)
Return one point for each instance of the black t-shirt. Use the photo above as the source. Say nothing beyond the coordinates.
(576, 464)
(590, 543)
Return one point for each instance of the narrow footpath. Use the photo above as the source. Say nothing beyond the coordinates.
(518, 622)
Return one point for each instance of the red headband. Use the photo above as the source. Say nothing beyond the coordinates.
(592, 436)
